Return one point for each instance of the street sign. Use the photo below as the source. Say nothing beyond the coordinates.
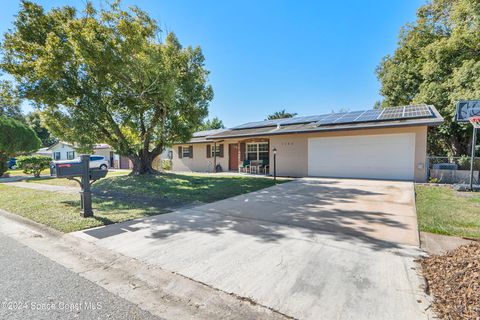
(467, 109)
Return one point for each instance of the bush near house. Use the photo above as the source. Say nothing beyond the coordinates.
(33, 164)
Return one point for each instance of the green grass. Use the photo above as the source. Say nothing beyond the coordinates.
(185, 187)
(61, 211)
(445, 211)
(70, 183)
(129, 197)
(19, 173)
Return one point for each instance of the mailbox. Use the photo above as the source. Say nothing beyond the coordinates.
(70, 169)
(96, 174)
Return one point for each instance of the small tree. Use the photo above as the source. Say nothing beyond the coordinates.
(15, 137)
(281, 115)
(33, 164)
(215, 123)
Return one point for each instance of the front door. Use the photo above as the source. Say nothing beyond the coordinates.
(233, 156)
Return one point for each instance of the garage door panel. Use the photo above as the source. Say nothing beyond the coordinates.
(376, 156)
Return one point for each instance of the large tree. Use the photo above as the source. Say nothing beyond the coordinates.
(210, 124)
(10, 101)
(104, 76)
(437, 62)
(281, 115)
(34, 121)
(15, 138)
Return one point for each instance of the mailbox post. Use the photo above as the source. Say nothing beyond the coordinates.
(86, 193)
(80, 169)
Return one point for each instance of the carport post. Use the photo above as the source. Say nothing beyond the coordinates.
(85, 193)
(274, 164)
(474, 142)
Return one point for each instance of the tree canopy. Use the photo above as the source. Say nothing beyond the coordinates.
(34, 121)
(211, 124)
(104, 76)
(437, 62)
(10, 101)
(281, 115)
(16, 138)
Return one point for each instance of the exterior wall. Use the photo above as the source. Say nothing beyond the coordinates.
(63, 149)
(199, 162)
(292, 151)
(104, 152)
(289, 147)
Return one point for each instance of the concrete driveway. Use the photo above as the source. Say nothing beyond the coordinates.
(310, 248)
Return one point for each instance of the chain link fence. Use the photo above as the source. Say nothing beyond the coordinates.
(452, 169)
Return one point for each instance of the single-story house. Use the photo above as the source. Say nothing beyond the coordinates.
(67, 151)
(388, 143)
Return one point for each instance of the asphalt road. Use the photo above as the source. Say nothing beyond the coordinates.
(34, 287)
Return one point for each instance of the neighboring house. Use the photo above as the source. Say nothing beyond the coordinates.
(66, 151)
(380, 144)
(62, 151)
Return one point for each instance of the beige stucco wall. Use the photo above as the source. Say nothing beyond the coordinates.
(199, 162)
(292, 151)
(289, 147)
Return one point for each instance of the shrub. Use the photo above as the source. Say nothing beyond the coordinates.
(167, 164)
(464, 162)
(15, 138)
(33, 164)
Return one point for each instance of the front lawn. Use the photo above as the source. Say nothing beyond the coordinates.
(185, 187)
(120, 197)
(445, 211)
(70, 183)
(61, 211)
(19, 173)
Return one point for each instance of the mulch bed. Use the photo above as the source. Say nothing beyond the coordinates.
(454, 281)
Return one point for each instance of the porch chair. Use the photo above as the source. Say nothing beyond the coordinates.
(265, 168)
(244, 167)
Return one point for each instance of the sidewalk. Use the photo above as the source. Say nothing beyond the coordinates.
(162, 293)
(42, 187)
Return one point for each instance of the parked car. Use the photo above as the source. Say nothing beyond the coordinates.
(12, 164)
(99, 162)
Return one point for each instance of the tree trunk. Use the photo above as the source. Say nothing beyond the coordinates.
(142, 164)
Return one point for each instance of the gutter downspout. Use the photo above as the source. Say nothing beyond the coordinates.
(214, 156)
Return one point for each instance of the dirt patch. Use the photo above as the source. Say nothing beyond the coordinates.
(454, 281)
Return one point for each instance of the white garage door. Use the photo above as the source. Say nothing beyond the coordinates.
(389, 156)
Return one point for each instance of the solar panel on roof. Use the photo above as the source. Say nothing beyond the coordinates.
(397, 113)
(394, 113)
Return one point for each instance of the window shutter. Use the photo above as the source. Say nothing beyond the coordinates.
(180, 152)
(242, 151)
(191, 151)
(221, 151)
(209, 151)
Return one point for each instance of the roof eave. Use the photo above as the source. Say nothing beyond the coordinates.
(430, 123)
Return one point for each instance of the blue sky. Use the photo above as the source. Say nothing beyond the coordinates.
(309, 57)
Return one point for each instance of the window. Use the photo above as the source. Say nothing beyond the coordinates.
(215, 150)
(56, 156)
(96, 158)
(257, 151)
(185, 152)
(70, 155)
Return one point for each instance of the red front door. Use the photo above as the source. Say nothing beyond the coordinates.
(233, 156)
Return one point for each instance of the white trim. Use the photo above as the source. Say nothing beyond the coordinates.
(258, 149)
